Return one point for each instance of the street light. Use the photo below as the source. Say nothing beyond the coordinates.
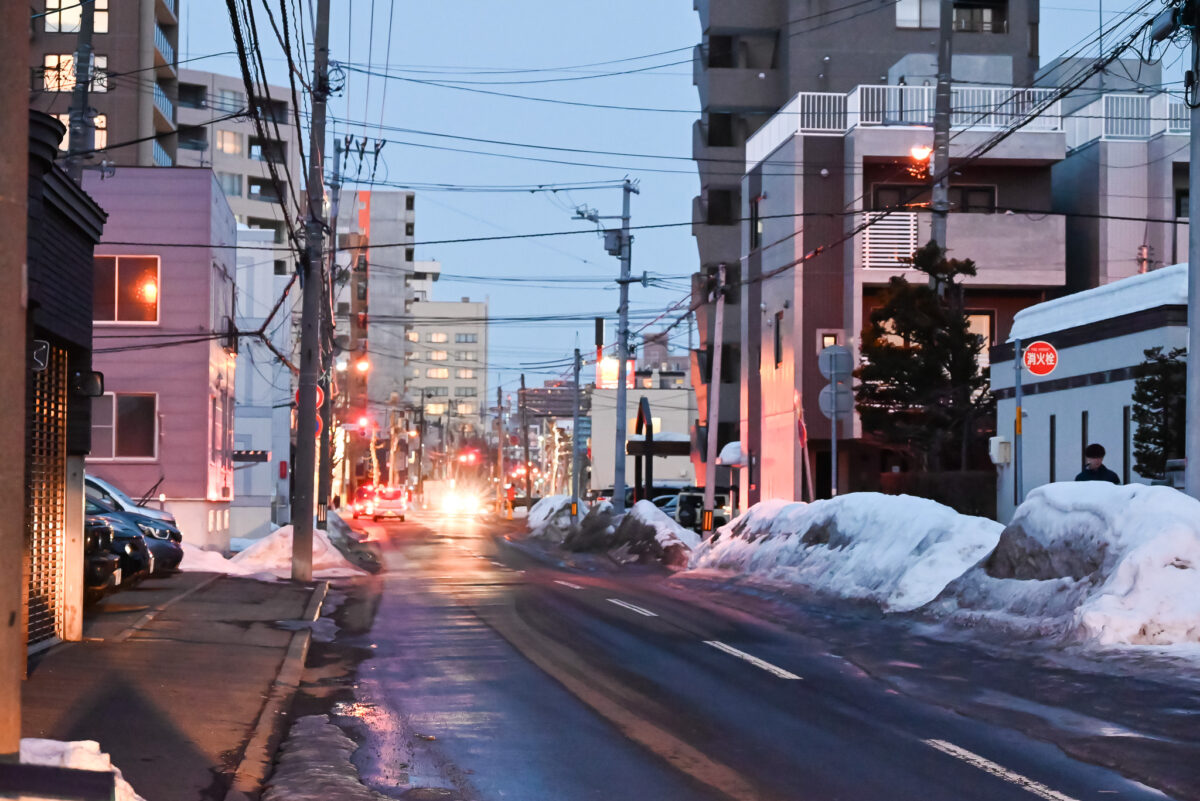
(362, 365)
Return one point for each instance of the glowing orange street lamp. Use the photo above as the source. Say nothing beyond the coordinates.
(362, 365)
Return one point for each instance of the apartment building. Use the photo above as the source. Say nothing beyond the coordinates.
(758, 54)
(134, 75)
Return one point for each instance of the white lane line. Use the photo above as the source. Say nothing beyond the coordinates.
(568, 584)
(754, 660)
(632, 608)
(1024, 782)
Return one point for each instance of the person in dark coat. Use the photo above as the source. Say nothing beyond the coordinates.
(1093, 466)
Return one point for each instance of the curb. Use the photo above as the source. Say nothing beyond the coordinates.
(154, 612)
(259, 753)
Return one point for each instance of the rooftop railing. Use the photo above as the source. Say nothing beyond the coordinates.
(1127, 116)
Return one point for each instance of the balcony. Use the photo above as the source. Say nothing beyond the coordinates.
(717, 157)
(737, 87)
(718, 16)
(716, 242)
(161, 157)
(164, 118)
(167, 11)
(1008, 249)
(1125, 117)
(164, 53)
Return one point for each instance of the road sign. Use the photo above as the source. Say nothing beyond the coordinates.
(585, 426)
(1040, 358)
(836, 359)
(836, 398)
(41, 355)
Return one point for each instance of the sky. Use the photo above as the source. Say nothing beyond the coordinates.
(563, 50)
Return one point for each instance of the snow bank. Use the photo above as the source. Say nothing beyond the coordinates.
(550, 517)
(896, 550)
(1088, 560)
(79, 755)
(666, 531)
(271, 557)
(646, 533)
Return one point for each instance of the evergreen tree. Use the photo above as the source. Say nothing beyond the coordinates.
(1159, 409)
(921, 389)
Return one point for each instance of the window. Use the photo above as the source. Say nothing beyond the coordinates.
(63, 16)
(437, 392)
(437, 337)
(410, 203)
(408, 254)
(412, 336)
(436, 409)
(410, 229)
(230, 100)
(828, 340)
(466, 408)
(262, 189)
(58, 73)
(100, 131)
(778, 339)
(281, 267)
(917, 13)
(229, 142)
(971, 199)
(437, 372)
(720, 129)
(1083, 434)
(756, 225)
(1181, 202)
(466, 392)
(988, 16)
(126, 289)
(464, 372)
(467, 356)
(438, 355)
(231, 184)
(125, 426)
(466, 338)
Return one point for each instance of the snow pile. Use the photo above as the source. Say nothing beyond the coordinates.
(895, 550)
(647, 534)
(78, 755)
(1108, 565)
(271, 557)
(666, 531)
(550, 518)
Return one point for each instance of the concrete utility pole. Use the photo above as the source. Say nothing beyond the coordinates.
(1191, 480)
(310, 320)
(714, 406)
(939, 170)
(14, 171)
(81, 138)
(325, 382)
(500, 495)
(576, 470)
(628, 188)
(525, 441)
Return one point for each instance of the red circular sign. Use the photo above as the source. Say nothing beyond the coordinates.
(1040, 358)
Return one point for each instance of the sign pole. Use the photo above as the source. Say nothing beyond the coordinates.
(833, 454)
(1018, 473)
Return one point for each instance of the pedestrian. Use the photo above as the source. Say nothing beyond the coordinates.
(1093, 466)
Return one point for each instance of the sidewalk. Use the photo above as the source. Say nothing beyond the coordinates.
(184, 680)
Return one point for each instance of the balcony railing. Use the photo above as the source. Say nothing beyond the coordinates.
(890, 239)
(1127, 116)
(163, 103)
(985, 108)
(172, 7)
(164, 45)
(161, 157)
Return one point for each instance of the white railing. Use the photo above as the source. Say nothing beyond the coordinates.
(890, 239)
(1126, 116)
(163, 103)
(161, 157)
(164, 45)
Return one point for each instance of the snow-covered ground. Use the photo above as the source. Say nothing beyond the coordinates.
(895, 550)
(271, 558)
(550, 518)
(78, 755)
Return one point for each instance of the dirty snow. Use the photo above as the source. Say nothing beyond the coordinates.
(895, 550)
(1094, 562)
(271, 557)
(79, 755)
(666, 531)
(551, 517)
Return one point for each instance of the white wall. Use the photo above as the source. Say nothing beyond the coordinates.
(676, 408)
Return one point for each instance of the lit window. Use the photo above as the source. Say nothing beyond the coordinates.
(229, 142)
(58, 73)
(466, 408)
(63, 16)
(467, 356)
(438, 336)
(126, 289)
(124, 426)
(435, 409)
(437, 372)
(438, 355)
(464, 372)
(99, 124)
(231, 184)
(412, 336)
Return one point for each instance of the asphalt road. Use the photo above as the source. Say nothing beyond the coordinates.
(504, 676)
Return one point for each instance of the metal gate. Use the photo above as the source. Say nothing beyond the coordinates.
(45, 492)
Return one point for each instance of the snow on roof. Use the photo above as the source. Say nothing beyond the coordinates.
(1164, 287)
(731, 455)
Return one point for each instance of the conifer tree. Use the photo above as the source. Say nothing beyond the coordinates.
(1159, 409)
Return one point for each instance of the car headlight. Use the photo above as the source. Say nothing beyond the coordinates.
(129, 548)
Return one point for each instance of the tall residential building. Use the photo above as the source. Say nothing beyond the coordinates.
(135, 77)
(758, 54)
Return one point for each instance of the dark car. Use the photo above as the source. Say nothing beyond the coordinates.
(101, 567)
(162, 538)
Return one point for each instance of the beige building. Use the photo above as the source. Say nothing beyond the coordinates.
(135, 77)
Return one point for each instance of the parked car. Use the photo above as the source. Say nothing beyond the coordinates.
(689, 510)
(129, 545)
(101, 567)
(164, 540)
(390, 502)
(364, 501)
(100, 489)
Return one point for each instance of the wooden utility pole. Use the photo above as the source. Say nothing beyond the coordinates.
(14, 171)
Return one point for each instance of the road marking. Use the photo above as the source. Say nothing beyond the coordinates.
(988, 766)
(632, 608)
(754, 660)
(568, 584)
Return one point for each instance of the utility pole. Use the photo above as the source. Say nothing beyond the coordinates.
(714, 406)
(1191, 480)
(940, 168)
(576, 467)
(81, 138)
(421, 449)
(310, 320)
(325, 382)
(525, 442)
(500, 495)
(14, 171)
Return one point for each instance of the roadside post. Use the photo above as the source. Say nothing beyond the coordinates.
(836, 399)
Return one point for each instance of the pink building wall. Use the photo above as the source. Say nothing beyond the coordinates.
(181, 216)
